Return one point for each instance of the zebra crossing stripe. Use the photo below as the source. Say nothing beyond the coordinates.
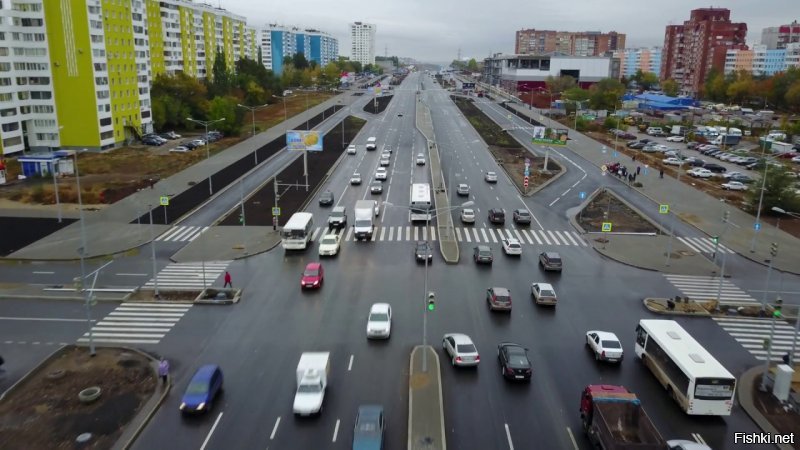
(533, 233)
(383, 232)
(408, 233)
(491, 234)
(416, 234)
(483, 232)
(458, 234)
(553, 236)
(544, 237)
(198, 234)
(519, 236)
(391, 233)
(433, 233)
(568, 235)
(186, 233)
(314, 234)
(168, 234)
(689, 244)
(475, 234)
(466, 235)
(374, 235)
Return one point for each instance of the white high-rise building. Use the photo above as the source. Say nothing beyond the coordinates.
(362, 36)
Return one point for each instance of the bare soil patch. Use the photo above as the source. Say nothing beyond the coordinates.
(164, 295)
(44, 412)
(784, 421)
(605, 207)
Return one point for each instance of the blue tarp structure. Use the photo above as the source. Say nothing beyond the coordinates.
(660, 102)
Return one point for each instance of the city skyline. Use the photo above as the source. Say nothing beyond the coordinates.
(438, 36)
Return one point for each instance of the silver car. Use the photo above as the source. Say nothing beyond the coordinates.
(467, 215)
(384, 162)
(463, 189)
(461, 350)
(490, 177)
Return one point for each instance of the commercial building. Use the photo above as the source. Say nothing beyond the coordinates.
(77, 74)
(779, 37)
(583, 43)
(525, 73)
(279, 42)
(702, 42)
(644, 59)
(362, 36)
(760, 60)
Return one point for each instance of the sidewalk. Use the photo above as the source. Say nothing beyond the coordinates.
(704, 212)
(109, 231)
(744, 391)
(425, 408)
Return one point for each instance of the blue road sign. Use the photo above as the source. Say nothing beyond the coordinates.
(582, 195)
(527, 172)
(757, 226)
(614, 154)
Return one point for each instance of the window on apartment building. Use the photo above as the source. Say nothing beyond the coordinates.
(12, 126)
(10, 142)
(41, 95)
(23, 95)
(8, 112)
(107, 135)
(32, 22)
(106, 121)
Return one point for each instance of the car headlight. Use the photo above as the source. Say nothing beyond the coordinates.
(182, 407)
(201, 406)
(316, 283)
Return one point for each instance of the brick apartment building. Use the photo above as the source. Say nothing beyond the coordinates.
(583, 43)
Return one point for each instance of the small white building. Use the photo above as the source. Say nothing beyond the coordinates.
(525, 73)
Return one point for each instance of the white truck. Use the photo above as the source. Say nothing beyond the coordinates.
(364, 224)
(313, 372)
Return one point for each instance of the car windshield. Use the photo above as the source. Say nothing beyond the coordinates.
(547, 293)
(485, 252)
(466, 348)
(523, 213)
(610, 344)
(308, 388)
(361, 223)
(311, 272)
(378, 317)
(197, 387)
(328, 240)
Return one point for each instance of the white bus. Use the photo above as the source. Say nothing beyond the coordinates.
(296, 234)
(692, 377)
(420, 202)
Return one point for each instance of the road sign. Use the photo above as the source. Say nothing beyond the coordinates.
(604, 149)
(604, 168)
(527, 161)
(525, 182)
(163, 200)
(276, 211)
(582, 195)
(606, 227)
(614, 154)
(663, 209)
(757, 226)
(527, 172)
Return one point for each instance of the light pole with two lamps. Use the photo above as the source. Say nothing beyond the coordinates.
(206, 123)
(253, 110)
(428, 298)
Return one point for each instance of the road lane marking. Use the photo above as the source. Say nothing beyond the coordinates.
(42, 272)
(335, 431)
(699, 439)
(202, 447)
(43, 319)
(508, 436)
(132, 274)
(350, 365)
(554, 201)
(275, 428)
(572, 438)
(531, 212)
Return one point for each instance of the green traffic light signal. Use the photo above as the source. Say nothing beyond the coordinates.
(431, 305)
(715, 239)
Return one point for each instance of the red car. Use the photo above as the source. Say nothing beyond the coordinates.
(313, 276)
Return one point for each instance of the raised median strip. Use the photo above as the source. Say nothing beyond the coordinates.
(425, 407)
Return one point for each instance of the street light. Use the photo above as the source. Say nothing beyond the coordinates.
(206, 123)
(284, 97)
(253, 109)
(82, 253)
(757, 225)
(797, 319)
(428, 297)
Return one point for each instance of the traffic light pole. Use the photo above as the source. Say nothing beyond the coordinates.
(725, 217)
(425, 297)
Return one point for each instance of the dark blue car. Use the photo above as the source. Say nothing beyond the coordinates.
(202, 390)
(368, 432)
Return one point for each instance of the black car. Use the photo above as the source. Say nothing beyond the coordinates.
(151, 141)
(626, 135)
(741, 179)
(338, 217)
(326, 198)
(522, 216)
(190, 145)
(482, 254)
(695, 162)
(716, 168)
(514, 362)
(423, 251)
(376, 187)
(637, 145)
(692, 145)
(497, 215)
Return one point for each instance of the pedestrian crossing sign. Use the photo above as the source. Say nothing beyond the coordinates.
(163, 200)
(663, 209)
(276, 211)
(606, 227)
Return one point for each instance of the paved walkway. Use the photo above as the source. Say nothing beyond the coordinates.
(425, 408)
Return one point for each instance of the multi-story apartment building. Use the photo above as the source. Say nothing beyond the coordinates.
(362, 47)
(324, 48)
(780, 37)
(702, 42)
(644, 59)
(77, 74)
(279, 42)
(761, 60)
(583, 43)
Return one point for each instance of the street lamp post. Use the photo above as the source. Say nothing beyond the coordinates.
(253, 109)
(797, 320)
(674, 218)
(82, 252)
(757, 225)
(206, 123)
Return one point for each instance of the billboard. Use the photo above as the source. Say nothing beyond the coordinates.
(551, 136)
(468, 86)
(304, 140)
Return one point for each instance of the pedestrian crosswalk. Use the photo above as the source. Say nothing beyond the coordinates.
(701, 287)
(137, 323)
(752, 333)
(704, 245)
(182, 233)
(188, 275)
(472, 235)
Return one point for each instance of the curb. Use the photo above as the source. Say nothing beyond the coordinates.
(745, 396)
(629, 264)
(14, 386)
(674, 313)
(149, 415)
(441, 400)
(7, 296)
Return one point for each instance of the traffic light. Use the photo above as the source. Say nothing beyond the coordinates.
(241, 218)
(431, 301)
(773, 249)
(777, 309)
(715, 239)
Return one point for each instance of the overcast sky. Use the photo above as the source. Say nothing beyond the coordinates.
(433, 31)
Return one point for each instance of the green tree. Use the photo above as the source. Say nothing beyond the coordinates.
(716, 86)
(220, 78)
(330, 75)
(647, 80)
(557, 85)
(778, 191)
(670, 87)
(792, 98)
(175, 97)
(606, 94)
(220, 107)
(472, 65)
(299, 61)
(740, 90)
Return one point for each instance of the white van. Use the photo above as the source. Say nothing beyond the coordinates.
(655, 130)
(372, 143)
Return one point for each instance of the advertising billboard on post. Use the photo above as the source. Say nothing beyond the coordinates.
(550, 136)
(310, 140)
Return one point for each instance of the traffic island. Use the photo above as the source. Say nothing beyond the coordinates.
(425, 407)
(76, 400)
(680, 306)
(216, 296)
(768, 412)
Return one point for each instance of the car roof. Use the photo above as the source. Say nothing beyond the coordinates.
(339, 209)
(205, 372)
(551, 255)
(379, 307)
(606, 335)
(460, 338)
(468, 210)
(483, 248)
(313, 265)
(330, 235)
(545, 286)
(511, 240)
(510, 344)
(521, 211)
(499, 290)
(463, 185)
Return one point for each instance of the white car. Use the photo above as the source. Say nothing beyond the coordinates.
(727, 175)
(420, 159)
(605, 345)
(387, 149)
(351, 149)
(386, 155)
(675, 139)
(381, 173)
(180, 149)
(490, 177)
(672, 161)
(384, 162)
(796, 159)
(468, 215)
(543, 294)
(734, 186)
(379, 322)
(512, 246)
(683, 444)
(355, 179)
(463, 189)
(198, 142)
(461, 350)
(329, 245)
(700, 173)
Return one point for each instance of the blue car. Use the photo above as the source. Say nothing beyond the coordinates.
(370, 425)
(202, 390)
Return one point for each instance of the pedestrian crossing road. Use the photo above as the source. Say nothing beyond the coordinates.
(752, 333)
(181, 233)
(188, 275)
(705, 288)
(137, 323)
(704, 245)
(476, 235)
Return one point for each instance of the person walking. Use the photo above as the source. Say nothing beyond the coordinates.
(661, 173)
(228, 282)
(638, 169)
(634, 158)
(163, 369)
